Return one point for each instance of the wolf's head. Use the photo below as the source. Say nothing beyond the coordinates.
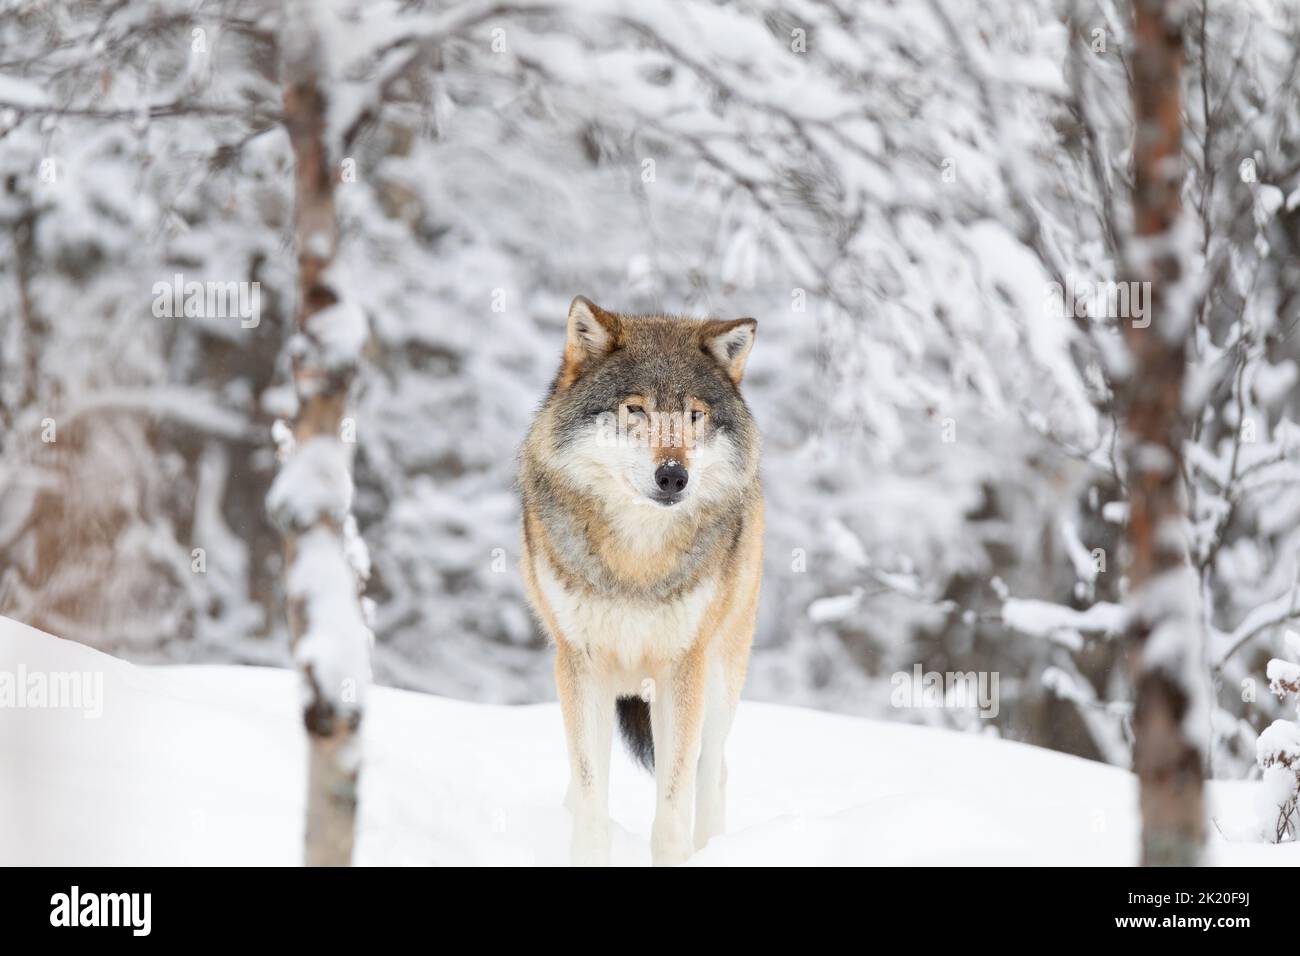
(646, 410)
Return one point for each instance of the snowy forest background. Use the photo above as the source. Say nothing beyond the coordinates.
(894, 190)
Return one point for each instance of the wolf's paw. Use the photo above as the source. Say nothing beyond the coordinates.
(703, 835)
(670, 843)
(710, 821)
(590, 845)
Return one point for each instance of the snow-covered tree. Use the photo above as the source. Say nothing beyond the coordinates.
(326, 562)
(1239, 449)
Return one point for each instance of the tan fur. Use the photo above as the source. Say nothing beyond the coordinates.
(688, 639)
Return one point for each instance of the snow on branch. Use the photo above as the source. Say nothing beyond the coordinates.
(1281, 609)
(333, 651)
(1283, 677)
(1279, 745)
(339, 332)
(172, 403)
(1060, 623)
(315, 484)
(1056, 622)
(1109, 722)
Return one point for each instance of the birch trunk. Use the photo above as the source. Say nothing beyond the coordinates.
(311, 498)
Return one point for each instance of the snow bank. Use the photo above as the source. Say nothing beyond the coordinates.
(205, 765)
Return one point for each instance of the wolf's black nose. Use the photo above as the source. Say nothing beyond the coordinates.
(670, 477)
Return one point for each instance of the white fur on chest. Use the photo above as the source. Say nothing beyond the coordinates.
(630, 634)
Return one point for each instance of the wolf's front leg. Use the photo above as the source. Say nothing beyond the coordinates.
(711, 783)
(676, 717)
(588, 724)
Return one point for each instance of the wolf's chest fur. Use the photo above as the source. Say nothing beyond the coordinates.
(631, 588)
(629, 633)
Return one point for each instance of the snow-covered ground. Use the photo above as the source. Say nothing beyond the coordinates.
(205, 765)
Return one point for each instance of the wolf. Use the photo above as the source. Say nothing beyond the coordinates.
(642, 559)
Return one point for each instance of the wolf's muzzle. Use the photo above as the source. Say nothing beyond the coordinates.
(671, 478)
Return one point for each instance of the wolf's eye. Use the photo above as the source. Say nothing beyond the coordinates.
(635, 410)
(697, 416)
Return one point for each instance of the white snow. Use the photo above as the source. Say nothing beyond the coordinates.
(205, 765)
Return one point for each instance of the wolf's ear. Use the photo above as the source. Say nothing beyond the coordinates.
(729, 341)
(592, 332)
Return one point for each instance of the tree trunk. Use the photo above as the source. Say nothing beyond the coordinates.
(1164, 632)
(311, 497)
